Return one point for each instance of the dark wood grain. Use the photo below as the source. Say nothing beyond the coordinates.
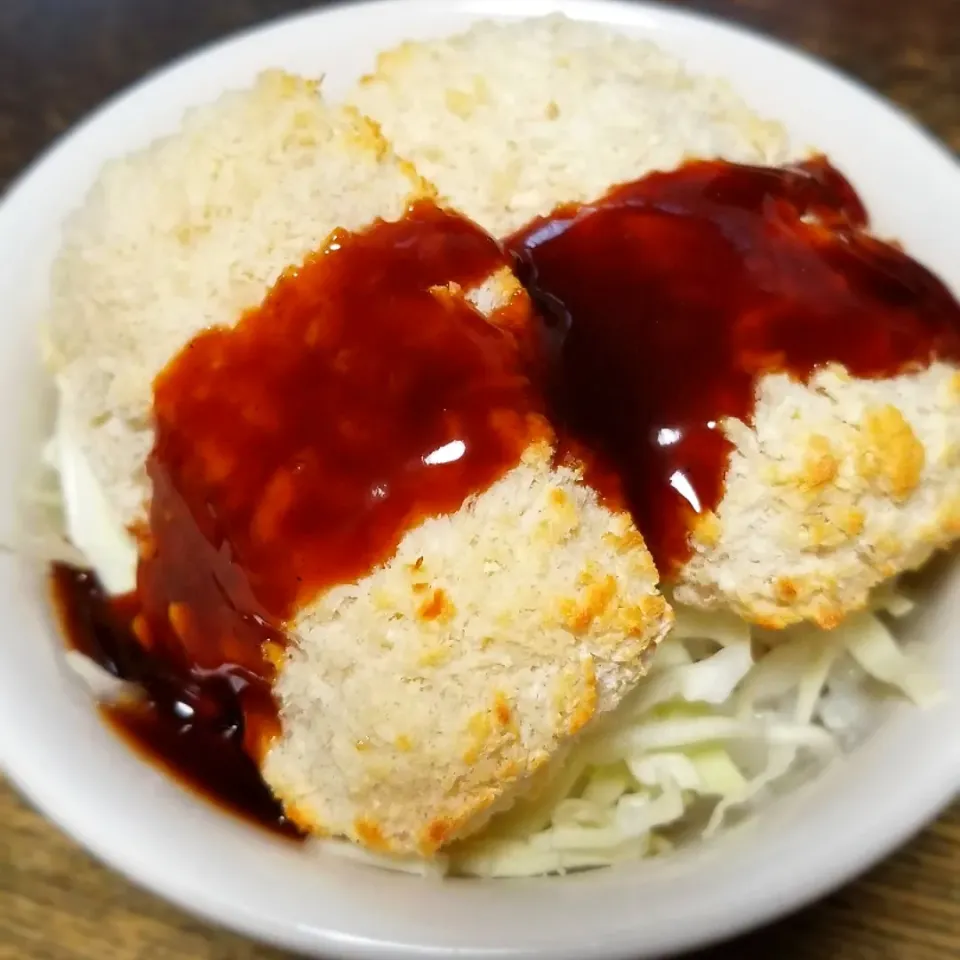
(58, 60)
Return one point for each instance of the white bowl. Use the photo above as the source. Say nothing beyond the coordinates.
(54, 746)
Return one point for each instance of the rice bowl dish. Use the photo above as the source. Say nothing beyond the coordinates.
(735, 697)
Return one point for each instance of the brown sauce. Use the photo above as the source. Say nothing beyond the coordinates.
(294, 450)
(671, 295)
(292, 453)
(193, 731)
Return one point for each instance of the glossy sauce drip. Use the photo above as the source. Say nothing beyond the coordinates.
(193, 730)
(669, 298)
(292, 453)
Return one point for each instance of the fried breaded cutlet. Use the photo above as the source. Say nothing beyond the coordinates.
(419, 698)
(190, 233)
(510, 119)
(837, 485)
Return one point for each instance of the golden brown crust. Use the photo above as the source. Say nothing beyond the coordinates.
(837, 485)
(457, 712)
(889, 456)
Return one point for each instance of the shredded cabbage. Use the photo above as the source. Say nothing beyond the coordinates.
(349, 851)
(712, 680)
(40, 533)
(724, 717)
(103, 686)
(875, 650)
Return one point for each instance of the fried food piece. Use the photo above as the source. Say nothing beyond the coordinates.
(839, 484)
(426, 696)
(509, 120)
(189, 233)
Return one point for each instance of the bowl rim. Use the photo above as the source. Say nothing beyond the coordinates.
(919, 798)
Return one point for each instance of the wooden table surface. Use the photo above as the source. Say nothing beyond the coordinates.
(60, 58)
